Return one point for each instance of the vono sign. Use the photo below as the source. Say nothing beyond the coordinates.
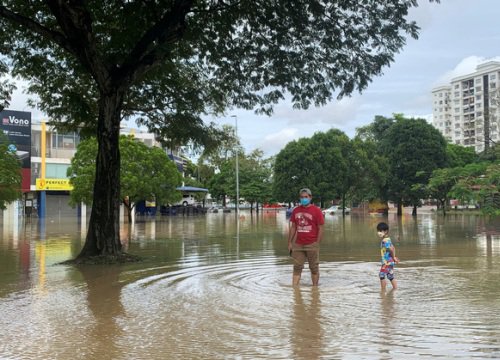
(12, 120)
(16, 125)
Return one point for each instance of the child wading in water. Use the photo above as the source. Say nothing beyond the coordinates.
(388, 252)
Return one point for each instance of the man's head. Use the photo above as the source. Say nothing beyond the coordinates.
(305, 196)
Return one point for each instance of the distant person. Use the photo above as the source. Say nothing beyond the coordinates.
(388, 252)
(304, 237)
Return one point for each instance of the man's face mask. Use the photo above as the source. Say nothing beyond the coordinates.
(305, 201)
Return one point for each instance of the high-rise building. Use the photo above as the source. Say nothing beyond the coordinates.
(467, 110)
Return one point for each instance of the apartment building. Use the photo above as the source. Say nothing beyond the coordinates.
(466, 111)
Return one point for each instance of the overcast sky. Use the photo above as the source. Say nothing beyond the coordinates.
(455, 36)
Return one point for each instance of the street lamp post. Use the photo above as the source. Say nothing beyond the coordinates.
(237, 169)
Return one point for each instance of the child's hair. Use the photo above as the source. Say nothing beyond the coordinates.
(382, 227)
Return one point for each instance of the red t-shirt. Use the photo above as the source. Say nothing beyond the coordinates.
(307, 219)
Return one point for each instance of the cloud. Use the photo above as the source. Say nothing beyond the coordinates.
(273, 143)
(422, 14)
(334, 113)
(466, 66)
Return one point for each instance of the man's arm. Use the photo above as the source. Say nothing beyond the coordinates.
(320, 233)
(292, 232)
(320, 222)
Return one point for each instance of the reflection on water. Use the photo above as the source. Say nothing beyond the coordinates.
(214, 287)
(307, 334)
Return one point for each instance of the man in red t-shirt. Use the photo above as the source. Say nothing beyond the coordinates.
(305, 234)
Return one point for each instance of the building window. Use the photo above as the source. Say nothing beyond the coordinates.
(493, 85)
(65, 141)
(493, 76)
(457, 93)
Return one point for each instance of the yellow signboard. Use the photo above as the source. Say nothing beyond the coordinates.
(53, 184)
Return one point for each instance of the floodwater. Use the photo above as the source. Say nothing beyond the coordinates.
(211, 287)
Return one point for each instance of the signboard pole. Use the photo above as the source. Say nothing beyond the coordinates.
(43, 200)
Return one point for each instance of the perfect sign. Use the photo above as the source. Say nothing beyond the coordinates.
(53, 184)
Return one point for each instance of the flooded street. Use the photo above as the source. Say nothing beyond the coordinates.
(211, 288)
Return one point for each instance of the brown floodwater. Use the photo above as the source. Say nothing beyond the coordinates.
(212, 287)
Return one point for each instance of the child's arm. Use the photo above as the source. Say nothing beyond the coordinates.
(392, 250)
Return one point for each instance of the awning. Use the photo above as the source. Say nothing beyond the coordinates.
(191, 188)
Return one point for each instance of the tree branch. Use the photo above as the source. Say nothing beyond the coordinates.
(76, 36)
(36, 27)
(150, 50)
(75, 21)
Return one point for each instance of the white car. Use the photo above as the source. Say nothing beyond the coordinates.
(187, 199)
(335, 209)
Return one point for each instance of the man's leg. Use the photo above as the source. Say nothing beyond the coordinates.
(315, 279)
(295, 279)
(313, 260)
(299, 258)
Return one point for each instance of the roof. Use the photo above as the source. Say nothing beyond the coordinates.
(191, 188)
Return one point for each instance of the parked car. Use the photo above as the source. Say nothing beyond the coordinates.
(336, 209)
(187, 199)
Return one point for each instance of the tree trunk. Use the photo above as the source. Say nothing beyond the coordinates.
(129, 213)
(414, 211)
(103, 235)
(400, 208)
(443, 204)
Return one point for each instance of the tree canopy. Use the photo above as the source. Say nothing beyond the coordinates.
(326, 163)
(414, 148)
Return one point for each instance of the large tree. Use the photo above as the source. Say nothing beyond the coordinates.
(292, 170)
(92, 62)
(255, 178)
(325, 163)
(414, 149)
